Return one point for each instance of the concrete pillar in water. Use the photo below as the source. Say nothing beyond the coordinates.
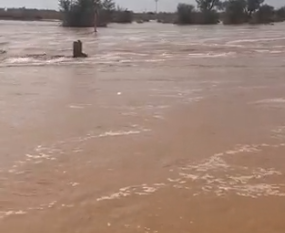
(77, 49)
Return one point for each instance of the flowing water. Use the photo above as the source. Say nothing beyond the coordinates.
(161, 129)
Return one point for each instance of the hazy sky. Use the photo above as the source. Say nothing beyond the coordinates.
(136, 5)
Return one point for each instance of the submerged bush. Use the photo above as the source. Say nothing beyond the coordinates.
(208, 17)
(264, 15)
(185, 13)
(279, 15)
(235, 12)
(78, 13)
(122, 16)
(81, 13)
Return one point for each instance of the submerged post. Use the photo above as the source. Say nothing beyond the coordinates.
(77, 49)
(95, 20)
(96, 6)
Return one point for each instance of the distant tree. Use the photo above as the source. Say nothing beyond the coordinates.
(265, 14)
(122, 15)
(235, 12)
(220, 6)
(207, 5)
(280, 14)
(78, 13)
(81, 13)
(185, 13)
(106, 5)
(210, 17)
(65, 5)
(208, 14)
(253, 6)
(105, 10)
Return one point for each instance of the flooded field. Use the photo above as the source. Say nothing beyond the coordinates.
(162, 129)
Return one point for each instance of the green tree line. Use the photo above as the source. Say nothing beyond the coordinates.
(229, 12)
(81, 13)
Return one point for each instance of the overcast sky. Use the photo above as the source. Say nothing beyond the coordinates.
(136, 5)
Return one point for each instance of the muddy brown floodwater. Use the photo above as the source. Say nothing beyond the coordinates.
(163, 129)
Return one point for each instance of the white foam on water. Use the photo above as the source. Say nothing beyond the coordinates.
(49, 153)
(279, 130)
(56, 60)
(140, 190)
(194, 99)
(118, 133)
(188, 176)
(262, 50)
(276, 51)
(125, 61)
(4, 214)
(129, 113)
(76, 106)
(34, 61)
(215, 175)
(73, 184)
(253, 190)
(278, 133)
(268, 51)
(51, 204)
(152, 110)
(154, 60)
(159, 117)
(269, 101)
(20, 60)
(67, 205)
(7, 213)
(210, 55)
(40, 156)
(93, 135)
(173, 180)
(254, 40)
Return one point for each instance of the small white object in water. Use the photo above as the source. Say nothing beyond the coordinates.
(20, 212)
(74, 184)
(119, 93)
(76, 106)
